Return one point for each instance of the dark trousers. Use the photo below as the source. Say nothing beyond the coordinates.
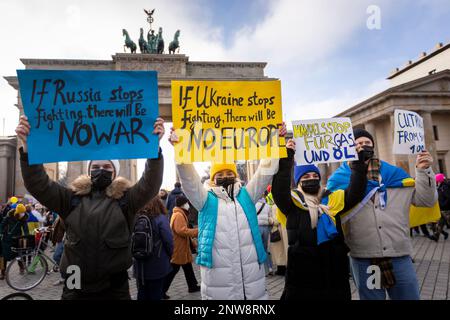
(151, 289)
(188, 274)
(424, 230)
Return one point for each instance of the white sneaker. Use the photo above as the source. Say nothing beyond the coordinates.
(58, 282)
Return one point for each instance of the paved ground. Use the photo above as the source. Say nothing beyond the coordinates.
(432, 262)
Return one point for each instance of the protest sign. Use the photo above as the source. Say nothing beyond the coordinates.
(409, 135)
(224, 121)
(89, 115)
(324, 141)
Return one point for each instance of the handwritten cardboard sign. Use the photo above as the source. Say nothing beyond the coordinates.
(89, 115)
(409, 135)
(224, 121)
(324, 141)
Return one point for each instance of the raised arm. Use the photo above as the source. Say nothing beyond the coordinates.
(264, 174)
(281, 184)
(356, 189)
(425, 193)
(148, 185)
(190, 180)
(191, 185)
(262, 177)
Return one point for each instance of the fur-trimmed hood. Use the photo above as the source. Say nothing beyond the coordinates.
(82, 186)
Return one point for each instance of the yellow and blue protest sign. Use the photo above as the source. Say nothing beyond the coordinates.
(225, 121)
(324, 141)
(89, 115)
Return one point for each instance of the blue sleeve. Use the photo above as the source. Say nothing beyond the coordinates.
(166, 235)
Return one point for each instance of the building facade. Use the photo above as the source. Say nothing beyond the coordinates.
(423, 87)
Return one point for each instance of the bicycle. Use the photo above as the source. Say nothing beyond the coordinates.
(30, 267)
(17, 296)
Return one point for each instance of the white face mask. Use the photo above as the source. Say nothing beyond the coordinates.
(185, 206)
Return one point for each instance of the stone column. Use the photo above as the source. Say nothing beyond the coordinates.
(74, 170)
(391, 139)
(5, 178)
(323, 168)
(430, 143)
(370, 127)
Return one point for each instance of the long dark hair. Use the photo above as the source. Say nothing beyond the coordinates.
(154, 208)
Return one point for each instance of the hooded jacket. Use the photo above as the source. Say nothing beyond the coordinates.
(181, 237)
(97, 223)
(236, 273)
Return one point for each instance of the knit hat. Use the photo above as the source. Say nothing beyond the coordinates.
(20, 209)
(115, 163)
(180, 201)
(358, 133)
(300, 171)
(440, 177)
(217, 167)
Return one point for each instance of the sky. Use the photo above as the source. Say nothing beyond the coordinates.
(322, 50)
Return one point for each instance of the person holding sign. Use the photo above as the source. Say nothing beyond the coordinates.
(231, 253)
(378, 227)
(318, 266)
(98, 211)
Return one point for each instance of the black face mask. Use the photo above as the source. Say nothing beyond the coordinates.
(225, 182)
(311, 186)
(368, 152)
(228, 184)
(101, 178)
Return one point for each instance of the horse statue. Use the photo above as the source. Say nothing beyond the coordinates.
(142, 43)
(160, 47)
(173, 45)
(128, 42)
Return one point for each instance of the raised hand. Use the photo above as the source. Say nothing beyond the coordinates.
(424, 160)
(22, 131)
(159, 128)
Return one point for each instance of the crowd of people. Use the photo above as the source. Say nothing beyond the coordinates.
(286, 220)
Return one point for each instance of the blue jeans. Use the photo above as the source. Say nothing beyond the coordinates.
(58, 252)
(265, 234)
(405, 288)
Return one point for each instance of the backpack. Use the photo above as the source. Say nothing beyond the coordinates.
(143, 240)
(444, 195)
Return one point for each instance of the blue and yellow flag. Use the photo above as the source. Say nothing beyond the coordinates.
(391, 177)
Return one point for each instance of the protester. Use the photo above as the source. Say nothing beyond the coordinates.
(98, 211)
(152, 272)
(443, 186)
(378, 231)
(265, 223)
(182, 237)
(171, 199)
(163, 195)
(315, 270)
(35, 220)
(12, 226)
(278, 243)
(230, 248)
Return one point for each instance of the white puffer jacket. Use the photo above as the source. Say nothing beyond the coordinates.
(236, 273)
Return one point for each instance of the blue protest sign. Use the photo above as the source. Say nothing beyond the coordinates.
(89, 115)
